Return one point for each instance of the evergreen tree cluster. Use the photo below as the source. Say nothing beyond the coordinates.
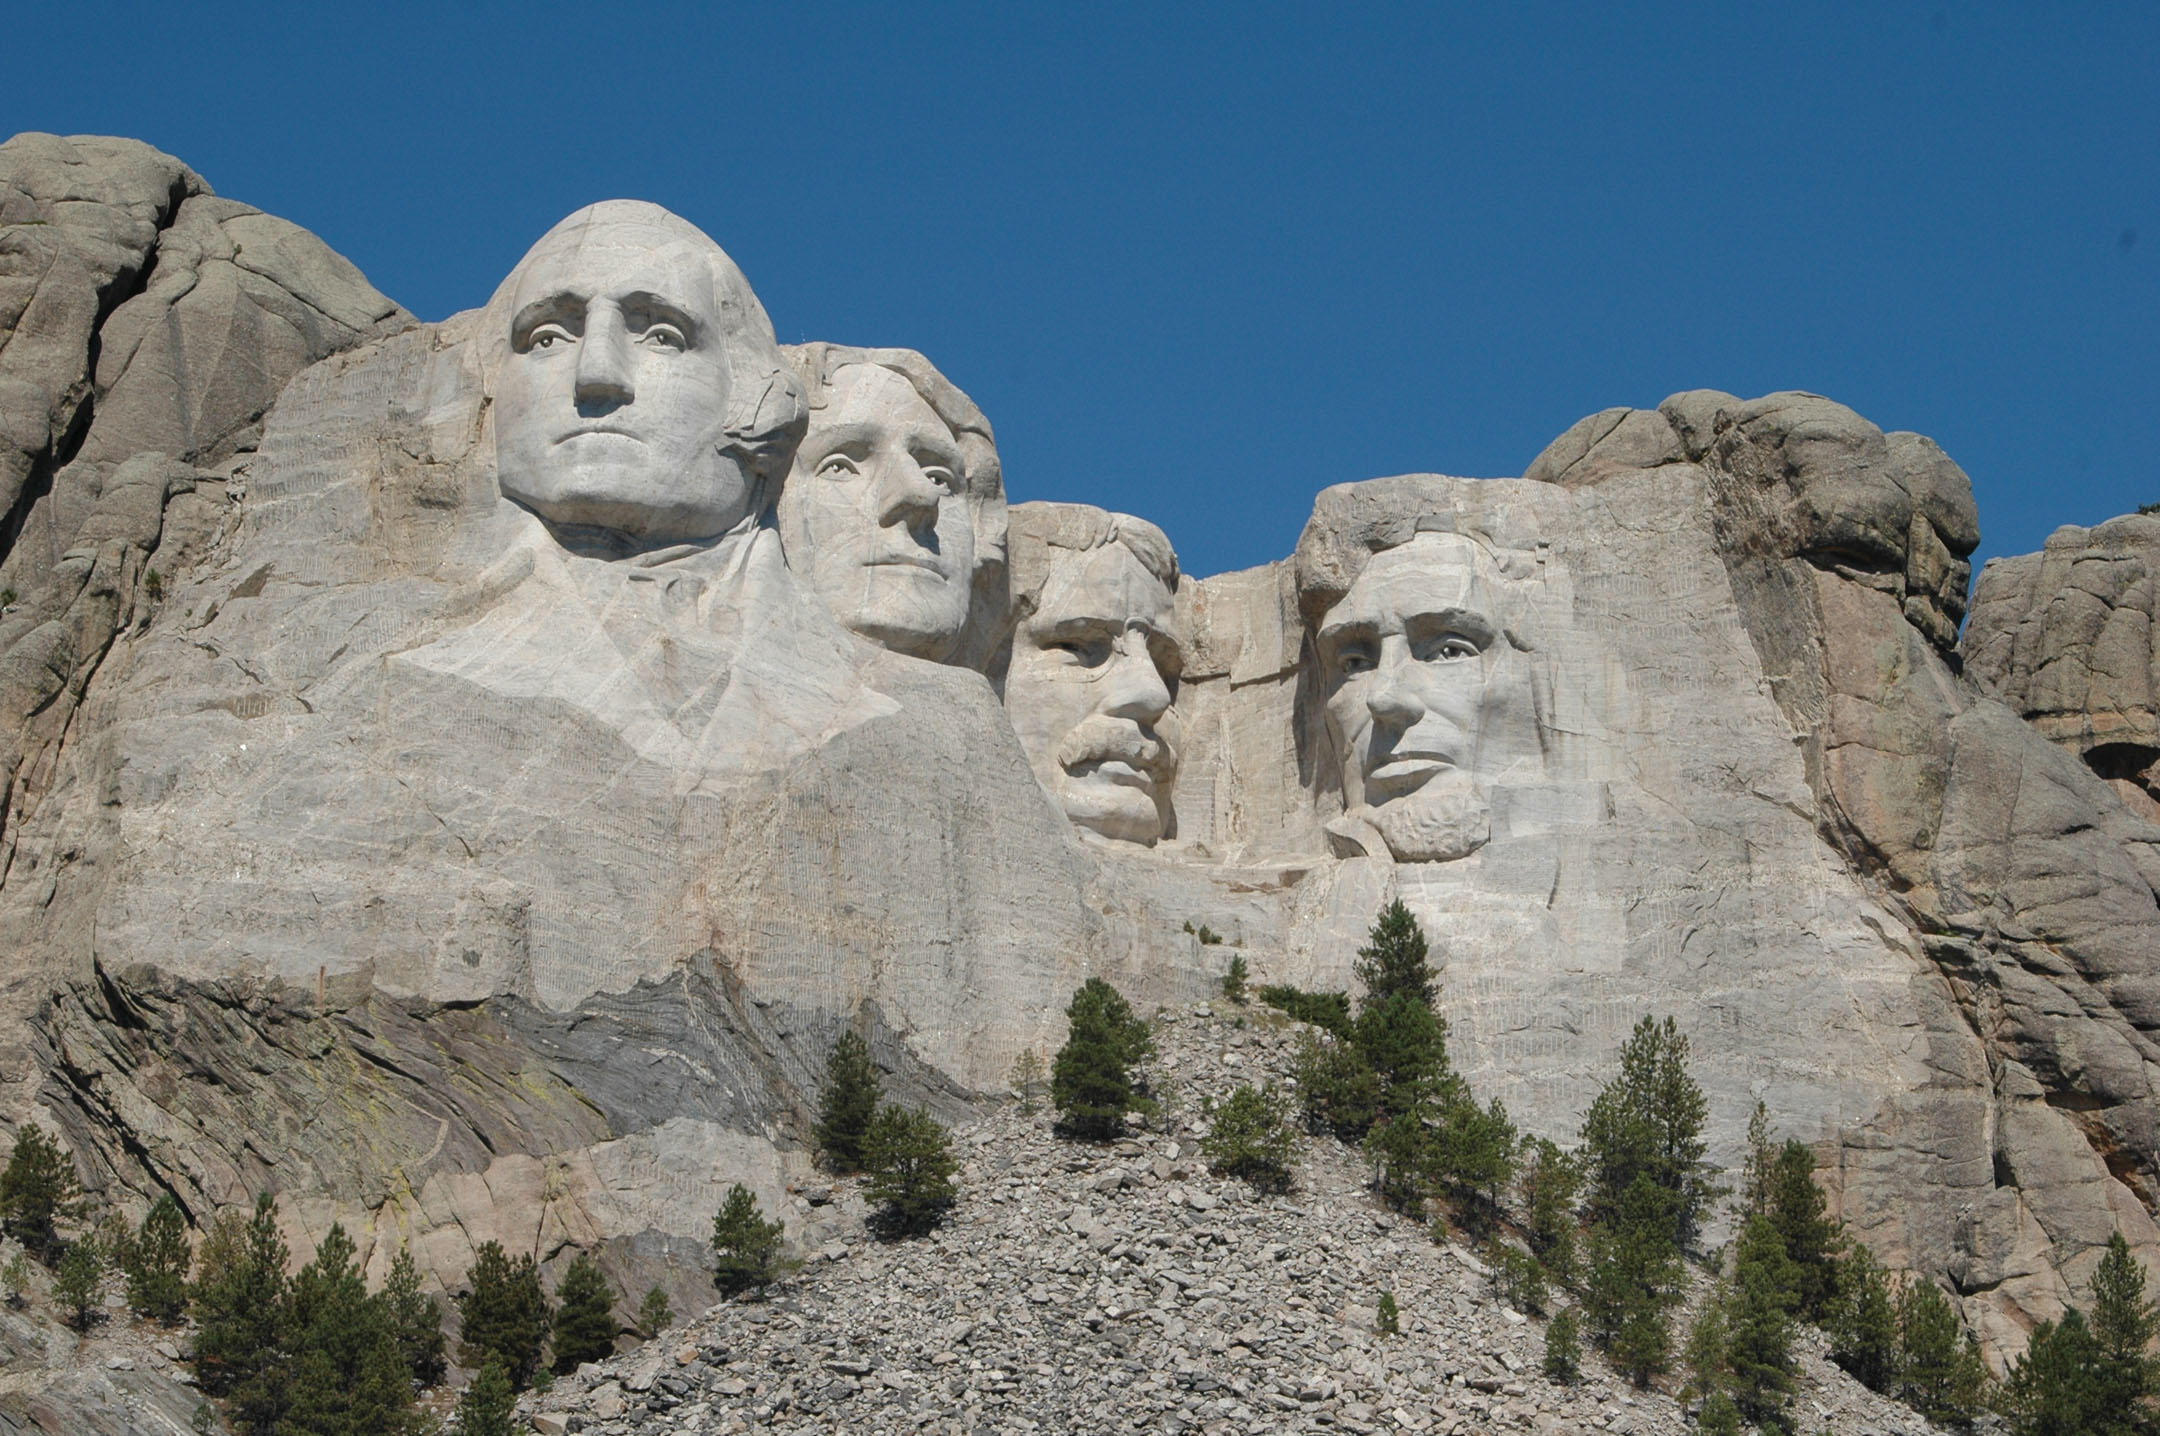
(2092, 1375)
(313, 1353)
(904, 1153)
(1382, 1078)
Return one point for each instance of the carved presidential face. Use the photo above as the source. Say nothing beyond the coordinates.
(612, 404)
(1416, 664)
(1093, 672)
(876, 514)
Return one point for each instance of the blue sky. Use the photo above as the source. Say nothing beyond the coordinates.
(1198, 261)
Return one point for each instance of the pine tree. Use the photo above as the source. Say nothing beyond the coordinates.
(909, 1158)
(38, 1191)
(847, 1102)
(2123, 1325)
(1720, 1417)
(1338, 1089)
(157, 1262)
(1758, 1348)
(1863, 1323)
(1755, 1167)
(1471, 1157)
(654, 1314)
(1397, 1149)
(1647, 1122)
(744, 1244)
(504, 1314)
(2054, 1388)
(1392, 962)
(584, 1316)
(1250, 1137)
(1941, 1376)
(1795, 1206)
(77, 1281)
(416, 1321)
(1027, 1081)
(1633, 1272)
(485, 1408)
(1233, 983)
(347, 1376)
(243, 1316)
(1091, 1079)
(1704, 1353)
(1563, 1347)
(1387, 1320)
(1550, 1181)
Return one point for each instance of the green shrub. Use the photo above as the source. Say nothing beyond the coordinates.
(1233, 983)
(156, 1263)
(1329, 1011)
(745, 1245)
(1563, 1347)
(1091, 1080)
(1941, 1374)
(1027, 1081)
(1863, 1324)
(1388, 1320)
(654, 1314)
(486, 1407)
(77, 1282)
(1518, 1276)
(415, 1321)
(1337, 1088)
(38, 1192)
(847, 1102)
(909, 1158)
(504, 1314)
(1250, 1138)
(584, 1327)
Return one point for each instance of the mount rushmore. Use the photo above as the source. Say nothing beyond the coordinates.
(463, 776)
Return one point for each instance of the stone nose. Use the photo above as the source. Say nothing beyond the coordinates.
(1134, 686)
(905, 494)
(1390, 700)
(603, 362)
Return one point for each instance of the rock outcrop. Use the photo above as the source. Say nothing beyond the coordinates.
(440, 812)
(2065, 636)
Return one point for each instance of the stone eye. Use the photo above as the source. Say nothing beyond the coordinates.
(1356, 658)
(547, 336)
(666, 336)
(942, 477)
(836, 466)
(1087, 652)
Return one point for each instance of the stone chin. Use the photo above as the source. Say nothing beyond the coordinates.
(905, 608)
(1120, 811)
(1445, 820)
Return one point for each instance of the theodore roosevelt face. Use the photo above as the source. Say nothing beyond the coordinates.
(612, 403)
(1093, 672)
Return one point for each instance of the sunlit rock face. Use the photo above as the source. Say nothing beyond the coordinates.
(549, 728)
(894, 513)
(1091, 673)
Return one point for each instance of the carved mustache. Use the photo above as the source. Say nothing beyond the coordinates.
(1102, 739)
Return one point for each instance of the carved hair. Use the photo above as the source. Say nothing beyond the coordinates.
(982, 477)
(1038, 528)
(766, 409)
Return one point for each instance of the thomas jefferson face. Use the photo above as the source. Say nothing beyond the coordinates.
(1093, 672)
(1414, 658)
(876, 514)
(612, 404)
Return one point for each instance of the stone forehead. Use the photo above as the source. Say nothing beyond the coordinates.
(1351, 523)
(639, 224)
(1043, 534)
(818, 364)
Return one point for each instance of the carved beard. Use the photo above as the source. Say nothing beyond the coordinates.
(1445, 819)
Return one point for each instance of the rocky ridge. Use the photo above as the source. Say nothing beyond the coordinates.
(1121, 1287)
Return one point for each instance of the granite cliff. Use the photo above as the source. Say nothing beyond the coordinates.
(428, 805)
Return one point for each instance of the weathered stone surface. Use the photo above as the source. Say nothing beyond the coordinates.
(2065, 637)
(481, 828)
